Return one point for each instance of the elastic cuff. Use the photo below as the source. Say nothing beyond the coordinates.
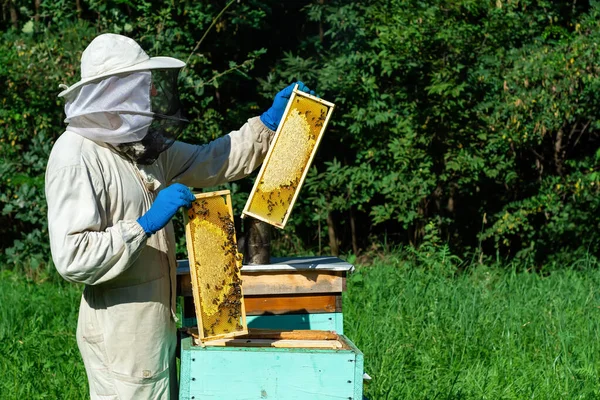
(260, 129)
(267, 121)
(142, 225)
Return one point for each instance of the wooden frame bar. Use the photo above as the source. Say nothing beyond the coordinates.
(292, 304)
(302, 282)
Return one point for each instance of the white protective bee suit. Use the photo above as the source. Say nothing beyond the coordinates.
(126, 330)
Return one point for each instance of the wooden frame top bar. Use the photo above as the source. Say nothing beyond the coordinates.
(287, 264)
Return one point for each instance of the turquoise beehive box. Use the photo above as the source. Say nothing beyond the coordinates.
(289, 294)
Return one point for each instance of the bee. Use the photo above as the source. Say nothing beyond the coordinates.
(208, 286)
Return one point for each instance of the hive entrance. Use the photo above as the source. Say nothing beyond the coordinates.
(289, 157)
(215, 266)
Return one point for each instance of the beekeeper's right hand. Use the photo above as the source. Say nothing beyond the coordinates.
(168, 201)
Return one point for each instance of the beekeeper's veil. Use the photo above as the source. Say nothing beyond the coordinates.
(126, 99)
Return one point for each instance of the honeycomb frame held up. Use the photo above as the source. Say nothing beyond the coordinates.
(215, 266)
(289, 157)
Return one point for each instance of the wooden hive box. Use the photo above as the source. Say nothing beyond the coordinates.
(290, 293)
(301, 294)
(294, 371)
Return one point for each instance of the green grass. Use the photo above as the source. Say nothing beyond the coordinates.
(485, 334)
(39, 358)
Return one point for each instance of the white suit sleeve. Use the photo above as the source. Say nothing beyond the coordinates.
(84, 250)
(228, 158)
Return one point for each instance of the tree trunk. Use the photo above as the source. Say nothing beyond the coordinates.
(353, 231)
(79, 9)
(321, 30)
(558, 152)
(258, 242)
(13, 15)
(37, 4)
(333, 241)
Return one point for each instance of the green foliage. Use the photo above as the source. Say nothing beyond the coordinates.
(460, 114)
(474, 119)
(30, 69)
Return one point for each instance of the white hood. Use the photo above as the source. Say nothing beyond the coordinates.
(114, 110)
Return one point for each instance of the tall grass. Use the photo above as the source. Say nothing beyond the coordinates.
(426, 332)
(39, 358)
(487, 333)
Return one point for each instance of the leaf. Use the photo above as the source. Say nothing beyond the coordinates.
(28, 27)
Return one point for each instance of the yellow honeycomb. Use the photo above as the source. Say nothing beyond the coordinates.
(215, 266)
(283, 171)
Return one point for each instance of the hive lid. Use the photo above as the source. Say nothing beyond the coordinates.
(319, 263)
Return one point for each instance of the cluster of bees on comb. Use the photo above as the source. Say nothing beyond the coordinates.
(199, 207)
(320, 120)
(232, 300)
(276, 199)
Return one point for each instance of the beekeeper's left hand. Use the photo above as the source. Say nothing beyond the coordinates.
(272, 116)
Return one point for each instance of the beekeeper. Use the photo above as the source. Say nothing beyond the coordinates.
(114, 180)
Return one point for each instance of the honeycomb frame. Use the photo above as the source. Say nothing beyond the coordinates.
(215, 267)
(284, 170)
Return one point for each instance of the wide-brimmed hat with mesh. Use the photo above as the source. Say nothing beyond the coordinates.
(110, 54)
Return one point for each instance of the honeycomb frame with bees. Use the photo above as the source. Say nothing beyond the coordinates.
(215, 267)
(287, 162)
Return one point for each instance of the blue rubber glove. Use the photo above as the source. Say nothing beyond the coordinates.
(272, 116)
(168, 201)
